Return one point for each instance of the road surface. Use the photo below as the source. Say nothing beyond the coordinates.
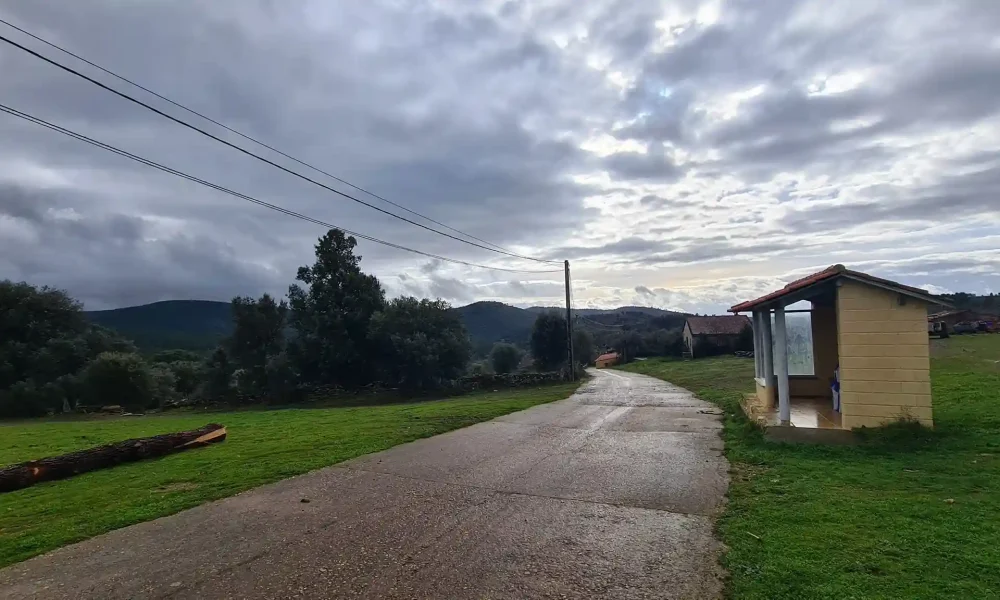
(608, 494)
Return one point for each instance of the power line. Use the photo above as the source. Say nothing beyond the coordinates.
(243, 135)
(583, 318)
(257, 156)
(155, 165)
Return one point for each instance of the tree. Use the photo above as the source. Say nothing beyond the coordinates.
(419, 344)
(258, 334)
(331, 315)
(187, 375)
(45, 340)
(548, 342)
(583, 347)
(505, 358)
(172, 356)
(120, 378)
(218, 379)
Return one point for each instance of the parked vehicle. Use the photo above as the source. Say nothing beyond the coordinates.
(938, 328)
(961, 328)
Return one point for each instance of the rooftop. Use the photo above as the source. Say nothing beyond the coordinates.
(718, 325)
(835, 272)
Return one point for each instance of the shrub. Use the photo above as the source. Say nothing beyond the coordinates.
(187, 375)
(281, 379)
(164, 385)
(120, 378)
(218, 375)
(479, 368)
(505, 358)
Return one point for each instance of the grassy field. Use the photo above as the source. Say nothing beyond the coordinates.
(262, 446)
(906, 515)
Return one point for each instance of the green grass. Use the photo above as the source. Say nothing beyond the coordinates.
(909, 514)
(262, 446)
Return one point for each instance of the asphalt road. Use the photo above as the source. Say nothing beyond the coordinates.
(608, 494)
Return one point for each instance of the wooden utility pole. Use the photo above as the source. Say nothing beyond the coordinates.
(569, 327)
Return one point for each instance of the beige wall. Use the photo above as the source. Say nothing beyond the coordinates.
(765, 396)
(884, 359)
(688, 339)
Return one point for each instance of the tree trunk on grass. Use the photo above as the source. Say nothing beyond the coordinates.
(26, 474)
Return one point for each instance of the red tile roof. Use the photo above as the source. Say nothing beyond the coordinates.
(718, 325)
(829, 274)
(608, 356)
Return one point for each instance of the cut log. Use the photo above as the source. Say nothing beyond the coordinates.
(29, 473)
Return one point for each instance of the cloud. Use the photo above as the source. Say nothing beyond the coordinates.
(699, 151)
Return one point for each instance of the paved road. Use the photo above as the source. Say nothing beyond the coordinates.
(608, 494)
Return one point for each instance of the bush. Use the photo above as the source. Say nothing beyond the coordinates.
(120, 378)
(164, 385)
(479, 368)
(218, 375)
(281, 379)
(25, 399)
(187, 375)
(505, 358)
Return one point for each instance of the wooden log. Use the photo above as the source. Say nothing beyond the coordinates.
(29, 473)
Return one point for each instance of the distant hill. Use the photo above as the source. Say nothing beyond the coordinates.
(491, 322)
(648, 310)
(196, 325)
(199, 325)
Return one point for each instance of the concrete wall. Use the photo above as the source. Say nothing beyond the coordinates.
(766, 396)
(824, 335)
(884, 357)
(688, 339)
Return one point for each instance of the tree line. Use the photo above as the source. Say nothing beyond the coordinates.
(336, 329)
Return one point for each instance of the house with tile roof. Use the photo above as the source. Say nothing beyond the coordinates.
(720, 330)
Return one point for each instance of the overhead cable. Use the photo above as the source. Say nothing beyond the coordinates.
(257, 156)
(155, 165)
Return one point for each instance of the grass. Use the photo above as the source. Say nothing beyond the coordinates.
(262, 446)
(909, 514)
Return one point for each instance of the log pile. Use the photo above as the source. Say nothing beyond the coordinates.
(29, 473)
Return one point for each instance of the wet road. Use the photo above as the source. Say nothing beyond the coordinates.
(608, 494)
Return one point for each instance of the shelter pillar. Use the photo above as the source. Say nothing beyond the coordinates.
(781, 366)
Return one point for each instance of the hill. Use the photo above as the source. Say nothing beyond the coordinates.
(196, 325)
(199, 325)
(646, 310)
(491, 322)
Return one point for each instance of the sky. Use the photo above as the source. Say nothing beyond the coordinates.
(685, 155)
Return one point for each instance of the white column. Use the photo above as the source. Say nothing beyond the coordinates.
(768, 348)
(781, 365)
(758, 366)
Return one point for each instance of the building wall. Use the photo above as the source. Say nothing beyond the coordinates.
(608, 362)
(688, 340)
(766, 396)
(824, 336)
(884, 357)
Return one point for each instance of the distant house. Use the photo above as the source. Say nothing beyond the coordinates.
(721, 330)
(950, 318)
(609, 359)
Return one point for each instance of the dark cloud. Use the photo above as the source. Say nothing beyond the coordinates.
(630, 246)
(778, 135)
(654, 164)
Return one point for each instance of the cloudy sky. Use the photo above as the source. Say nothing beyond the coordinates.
(682, 154)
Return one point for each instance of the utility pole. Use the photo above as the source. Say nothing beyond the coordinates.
(569, 327)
